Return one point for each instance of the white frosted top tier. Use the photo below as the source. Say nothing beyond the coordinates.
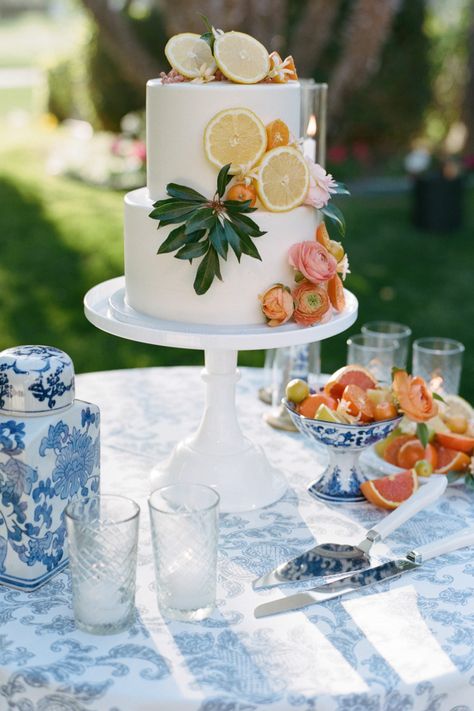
(177, 115)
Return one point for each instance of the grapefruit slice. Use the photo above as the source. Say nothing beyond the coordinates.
(388, 492)
(356, 402)
(393, 447)
(410, 453)
(349, 375)
(450, 460)
(310, 405)
(461, 443)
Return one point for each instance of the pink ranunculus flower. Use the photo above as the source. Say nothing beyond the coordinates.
(313, 260)
(321, 185)
(277, 304)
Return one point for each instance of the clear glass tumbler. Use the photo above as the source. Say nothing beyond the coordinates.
(302, 361)
(184, 528)
(378, 333)
(378, 359)
(102, 542)
(439, 362)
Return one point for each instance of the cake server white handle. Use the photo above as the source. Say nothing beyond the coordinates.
(423, 497)
(462, 539)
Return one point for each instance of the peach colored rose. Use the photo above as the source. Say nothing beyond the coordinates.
(311, 303)
(321, 185)
(277, 304)
(414, 397)
(313, 260)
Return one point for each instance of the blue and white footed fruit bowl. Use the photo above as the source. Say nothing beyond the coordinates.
(49, 454)
(342, 477)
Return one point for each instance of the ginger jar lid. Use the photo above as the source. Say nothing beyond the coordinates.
(35, 379)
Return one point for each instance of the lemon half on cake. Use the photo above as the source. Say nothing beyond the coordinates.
(235, 136)
(187, 52)
(283, 179)
(241, 58)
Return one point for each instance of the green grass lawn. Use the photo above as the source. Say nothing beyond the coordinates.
(59, 237)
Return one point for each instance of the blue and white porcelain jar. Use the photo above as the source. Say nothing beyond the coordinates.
(49, 454)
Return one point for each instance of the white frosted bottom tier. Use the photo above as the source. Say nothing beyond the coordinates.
(161, 286)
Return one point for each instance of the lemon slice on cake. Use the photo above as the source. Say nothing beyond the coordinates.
(241, 58)
(235, 136)
(283, 179)
(187, 52)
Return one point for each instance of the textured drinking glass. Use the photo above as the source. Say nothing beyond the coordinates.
(378, 333)
(265, 391)
(439, 362)
(378, 359)
(184, 528)
(303, 361)
(102, 541)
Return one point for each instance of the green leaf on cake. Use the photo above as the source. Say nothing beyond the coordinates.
(209, 35)
(223, 179)
(340, 189)
(248, 247)
(169, 212)
(182, 192)
(217, 237)
(191, 251)
(207, 227)
(175, 240)
(233, 238)
(237, 206)
(246, 225)
(333, 213)
(207, 270)
(202, 219)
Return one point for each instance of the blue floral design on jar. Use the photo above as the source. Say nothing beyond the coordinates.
(74, 464)
(12, 434)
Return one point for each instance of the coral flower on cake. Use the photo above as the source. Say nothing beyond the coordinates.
(321, 185)
(414, 397)
(313, 260)
(277, 304)
(311, 303)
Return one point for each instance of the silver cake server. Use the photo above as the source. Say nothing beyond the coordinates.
(371, 576)
(336, 559)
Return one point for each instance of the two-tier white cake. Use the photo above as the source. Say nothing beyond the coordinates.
(160, 285)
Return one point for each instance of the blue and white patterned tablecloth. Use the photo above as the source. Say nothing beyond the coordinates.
(409, 646)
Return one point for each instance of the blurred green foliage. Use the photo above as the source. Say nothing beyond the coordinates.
(390, 111)
(60, 238)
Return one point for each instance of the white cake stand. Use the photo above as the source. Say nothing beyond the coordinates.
(217, 454)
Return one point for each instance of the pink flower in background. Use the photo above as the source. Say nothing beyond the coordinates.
(139, 150)
(321, 185)
(313, 260)
(277, 304)
(337, 154)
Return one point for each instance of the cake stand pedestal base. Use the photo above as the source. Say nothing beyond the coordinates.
(218, 454)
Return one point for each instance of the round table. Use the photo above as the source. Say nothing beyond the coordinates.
(407, 645)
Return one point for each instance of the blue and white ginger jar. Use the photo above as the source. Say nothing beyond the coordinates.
(49, 454)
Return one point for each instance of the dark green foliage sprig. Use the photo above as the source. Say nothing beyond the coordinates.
(333, 213)
(206, 228)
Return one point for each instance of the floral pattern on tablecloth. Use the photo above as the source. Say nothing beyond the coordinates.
(407, 646)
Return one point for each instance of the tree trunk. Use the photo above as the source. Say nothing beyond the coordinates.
(263, 19)
(135, 63)
(468, 108)
(364, 36)
(312, 34)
